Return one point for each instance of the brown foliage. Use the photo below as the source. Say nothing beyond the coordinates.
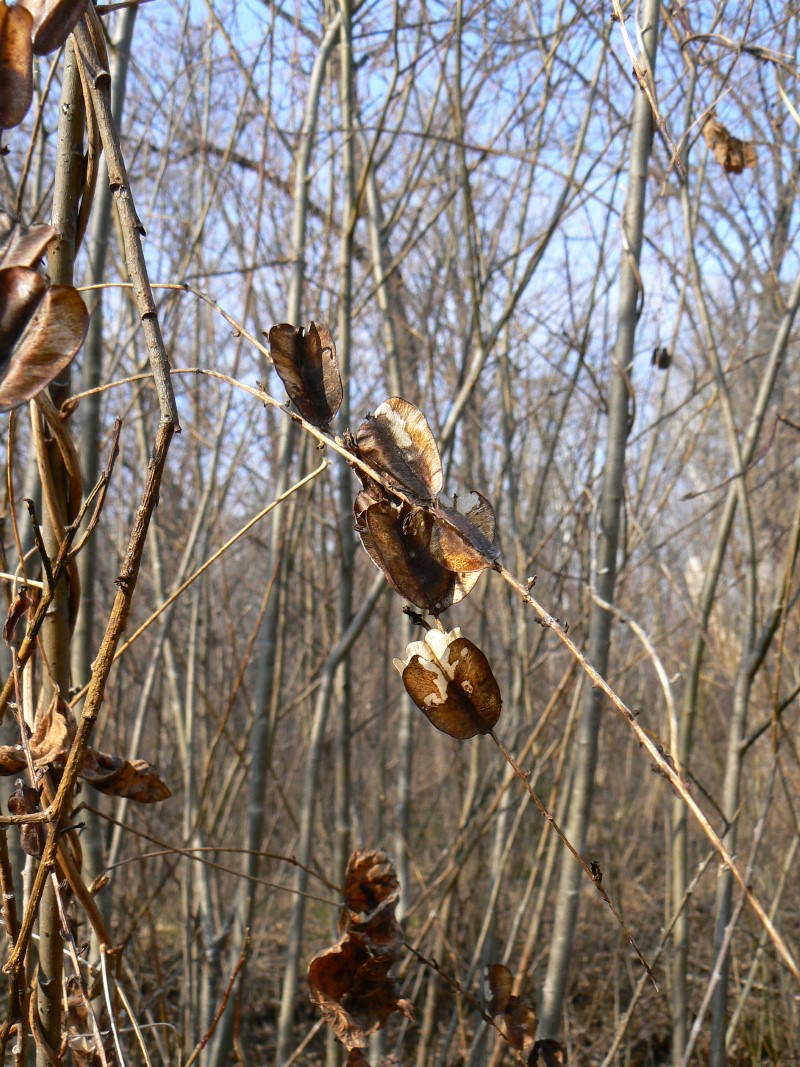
(350, 981)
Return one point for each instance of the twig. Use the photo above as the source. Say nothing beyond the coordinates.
(593, 875)
(201, 1044)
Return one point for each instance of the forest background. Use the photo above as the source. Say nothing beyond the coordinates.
(582, 267)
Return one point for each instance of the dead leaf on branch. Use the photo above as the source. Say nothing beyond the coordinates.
(411, 571)
(371, 893)
(350, 982)
(730, 152)
(520, 1024)
(452, 538)
(397, 441)
(50, 744)
(518, 1017)
(17, 611)
(25, 801)
(451, 682)
(117, 777)
(500, 982)
(354, 991)
(432, 558)
(22, 246)
(305, 360)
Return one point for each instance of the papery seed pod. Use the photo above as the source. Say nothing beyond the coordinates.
(22, 246)
(451, 682)
(452, 538)
(398, 442)
(16, 64)
(39, 338)
(305, 360)
(411, 572)
(53, 22)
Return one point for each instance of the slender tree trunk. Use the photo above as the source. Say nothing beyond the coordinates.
(610, 508)
(85, 637)
(57, 514)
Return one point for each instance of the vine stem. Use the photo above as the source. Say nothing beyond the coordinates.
(594, 876)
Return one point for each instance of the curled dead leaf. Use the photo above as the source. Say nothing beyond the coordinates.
(730, 152)
(520, 1024)
(305, 360)
(25, 801)
(354, 991)
(16, 66)
(42, 326)
(451, 682)
(397, 441)
(371, 893)
(451, 538)
(116, 777)
(17, 610)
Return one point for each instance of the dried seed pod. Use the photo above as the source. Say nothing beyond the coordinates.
(451, 682)
(452, 538)
(305, 360)
(499, 983)
(398, 442)
(411, 572)
(16, 66)
(53, 22)
(22, 246)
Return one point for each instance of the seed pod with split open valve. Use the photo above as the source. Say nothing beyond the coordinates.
(305, 360)
(451, 682)
(397, 441)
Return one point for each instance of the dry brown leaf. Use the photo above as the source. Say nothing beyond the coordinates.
(520, 1023)
(24, 801)
(53, 733)
(371, 893)
(370, 883)
(16, 68)
(18, 609)
(21, 291)
(53, 22)
(22, 246)
(306, 363)
(49, 341)
(500, 982)
(117, 777)
(356, 1058)
(451, 682)
(547, 1053)
(398, 442)
(353, 990)
(730, 152)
